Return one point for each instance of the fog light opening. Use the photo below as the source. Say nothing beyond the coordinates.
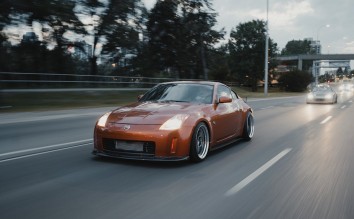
(173, 146)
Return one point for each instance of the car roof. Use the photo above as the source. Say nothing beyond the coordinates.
(194, 82)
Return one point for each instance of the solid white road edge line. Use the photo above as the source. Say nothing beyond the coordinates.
(46, 147)
(326, 120)
(256, 173)
(44, 152)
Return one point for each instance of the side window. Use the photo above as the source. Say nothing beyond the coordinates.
(223, 91)
(234, 95)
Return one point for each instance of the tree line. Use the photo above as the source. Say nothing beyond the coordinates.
(176, 38)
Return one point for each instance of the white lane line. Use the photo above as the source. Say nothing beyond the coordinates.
(45, 118)
(343, 106)
(46, 147)
(326, 120)
(5, 107)
(256, 173)
(268, 107)
(45, 152)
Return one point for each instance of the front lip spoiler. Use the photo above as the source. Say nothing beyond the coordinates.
(319, 101)
(98, 153)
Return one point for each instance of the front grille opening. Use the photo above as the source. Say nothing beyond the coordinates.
(130, 148)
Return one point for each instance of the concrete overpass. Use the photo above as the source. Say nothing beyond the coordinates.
(300, 58)
(334, 61)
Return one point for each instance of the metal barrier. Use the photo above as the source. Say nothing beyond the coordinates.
(18, 80)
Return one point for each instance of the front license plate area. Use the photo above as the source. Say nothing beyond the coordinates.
(129, 146)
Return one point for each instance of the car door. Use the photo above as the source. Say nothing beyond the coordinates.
(226, 117)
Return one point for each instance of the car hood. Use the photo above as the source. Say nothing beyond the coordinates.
(151, 113)
(322, 93)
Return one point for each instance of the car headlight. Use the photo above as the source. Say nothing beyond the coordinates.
(175, 122)
(328, 96)
(102, 121)
(310, 96)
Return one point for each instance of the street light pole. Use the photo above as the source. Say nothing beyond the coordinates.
(317, 68)
(266, 56)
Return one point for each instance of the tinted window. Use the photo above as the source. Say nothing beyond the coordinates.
(234, 95)
(179, 92)
(322, 88)
(224, 91)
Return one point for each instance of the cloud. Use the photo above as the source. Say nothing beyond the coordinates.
(292, 19)
(285, 14)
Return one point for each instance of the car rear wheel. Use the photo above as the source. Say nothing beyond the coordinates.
(200, 143)
(248, 128)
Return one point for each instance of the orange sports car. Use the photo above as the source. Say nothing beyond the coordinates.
(175, 121)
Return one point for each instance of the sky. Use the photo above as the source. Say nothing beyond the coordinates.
(293, 20)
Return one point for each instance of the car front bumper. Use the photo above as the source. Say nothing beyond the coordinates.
(143, 142)
(137, 157)
(323, 100)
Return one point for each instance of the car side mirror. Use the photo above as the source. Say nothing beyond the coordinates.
(224, 99)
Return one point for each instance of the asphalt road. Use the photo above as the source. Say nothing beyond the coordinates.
(299, 165)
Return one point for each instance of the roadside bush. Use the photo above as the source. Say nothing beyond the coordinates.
(295, 81)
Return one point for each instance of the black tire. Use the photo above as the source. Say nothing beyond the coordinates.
(248, 128)
(199, 147)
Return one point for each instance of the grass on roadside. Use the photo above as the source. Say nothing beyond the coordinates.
(34, 101)
(41, 101)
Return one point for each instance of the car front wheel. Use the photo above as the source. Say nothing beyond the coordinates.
(199, 147)
(248, 128)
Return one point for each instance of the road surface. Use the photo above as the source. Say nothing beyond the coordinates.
(300, 164)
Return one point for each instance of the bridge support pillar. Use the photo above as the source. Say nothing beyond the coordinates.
(299, 64)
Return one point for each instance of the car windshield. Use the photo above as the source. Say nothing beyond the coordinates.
(321, 89)
(180, 92)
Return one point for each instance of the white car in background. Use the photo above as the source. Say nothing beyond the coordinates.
(322, 94)
(346, 86)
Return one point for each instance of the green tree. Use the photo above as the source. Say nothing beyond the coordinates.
(11, 12)
(3, 52)
(219, 65)
(295, 81)
(181, 37)
(198, 20)
(55, 17)
(5, 10)
(247, 49)
(297, 47)
(163, 28)
(114, 24)
(326, 77)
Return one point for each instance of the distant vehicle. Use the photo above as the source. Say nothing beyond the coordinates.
(322, 94)
(175, 121)
(347, 86)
